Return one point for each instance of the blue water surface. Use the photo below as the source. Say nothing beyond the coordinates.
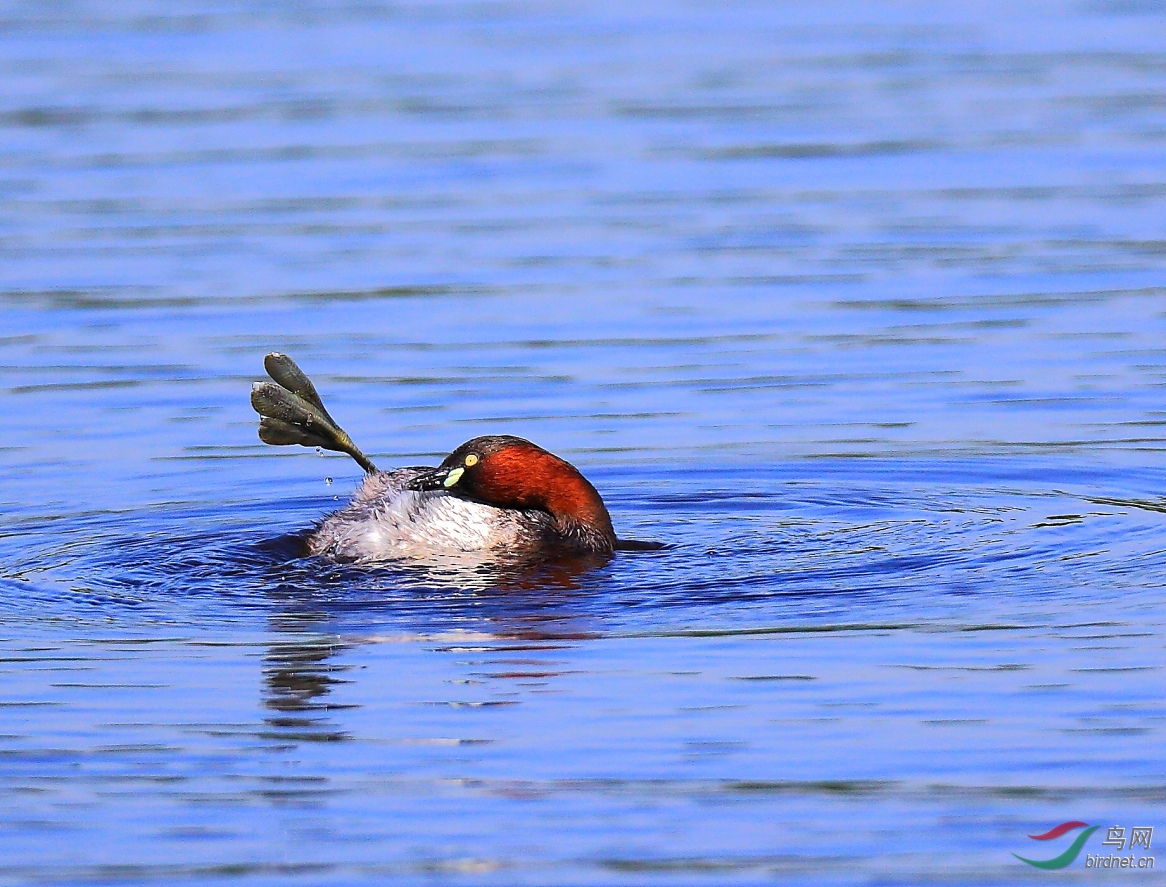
(858, 306)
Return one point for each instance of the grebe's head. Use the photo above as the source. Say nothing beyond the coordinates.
(510, 472)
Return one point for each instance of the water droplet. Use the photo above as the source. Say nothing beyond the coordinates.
(319, 451)
(328, 481)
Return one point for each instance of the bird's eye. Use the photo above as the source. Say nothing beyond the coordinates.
(471, 460)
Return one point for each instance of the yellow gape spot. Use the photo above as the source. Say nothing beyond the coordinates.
(471, 460)
(453, 477)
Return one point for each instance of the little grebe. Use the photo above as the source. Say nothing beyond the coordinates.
(493, 494)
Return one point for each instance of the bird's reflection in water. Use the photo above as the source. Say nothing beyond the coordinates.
(320, 605)
(298, 676)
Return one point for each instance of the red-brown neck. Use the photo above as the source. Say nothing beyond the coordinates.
(527, 476)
